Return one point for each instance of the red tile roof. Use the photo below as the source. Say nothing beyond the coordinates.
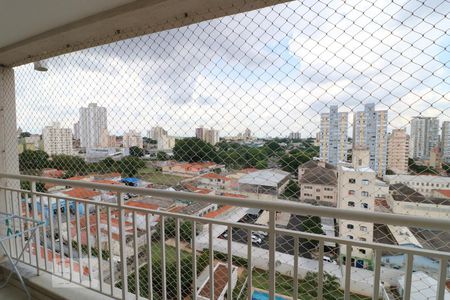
(215, 176)
(445, 193)
(77, 178)
(218, 212)
(142, 204)
(105, 181)
(81, 193)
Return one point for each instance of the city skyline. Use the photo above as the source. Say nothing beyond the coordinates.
(272, 84)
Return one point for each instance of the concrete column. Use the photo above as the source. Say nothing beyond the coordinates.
(9, 162)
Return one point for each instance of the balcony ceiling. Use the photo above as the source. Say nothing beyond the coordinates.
(33, 30)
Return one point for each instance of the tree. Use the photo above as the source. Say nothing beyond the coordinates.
(33, 160)
(311, 281)
(194, 150)
(312, 224)
(161, 155)
(26, 185)
(129, 166)
(290, 163)
(292, 190)
(419, 169)
(262, 164)
(136, 151)
(24, 134)
(273, 148)
(70, 163)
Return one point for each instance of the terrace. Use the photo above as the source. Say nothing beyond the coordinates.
(172, 239)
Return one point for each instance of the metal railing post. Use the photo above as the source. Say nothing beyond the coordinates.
(123, 254)
(272, 249)
(37, 237)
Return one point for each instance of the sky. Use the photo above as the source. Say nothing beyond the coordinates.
(272, 70)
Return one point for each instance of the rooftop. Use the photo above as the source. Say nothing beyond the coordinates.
(402, 192)
(319, 175)
(81, 193)
(269, 177)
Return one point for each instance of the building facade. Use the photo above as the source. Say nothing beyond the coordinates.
(295, 136)
(357, 190)
(208, 135)
(424, 137)
(157, 132)
(445, 141)
(424, 184)
(93, 120)
(398, 151)
(57, 140)
(318, 183)
(133, 139)
(333, 136)
(370, 129)
(165, 142)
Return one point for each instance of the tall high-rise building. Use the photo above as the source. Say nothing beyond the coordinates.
(247, 134)
(445, 141)
(165, 142)
(57, 140)
(132, 139)
(333, 136)
(93, 120)
(156, 132)
(107, 140)
(295, 136)
(76, 131)
(208, 135)
(370, 130)
(424, 137)
(398, 151)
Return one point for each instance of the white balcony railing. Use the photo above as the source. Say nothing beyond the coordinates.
(130, 237)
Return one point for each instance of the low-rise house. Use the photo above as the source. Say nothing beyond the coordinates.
(221, 282)
(191, 169)
(318, 183)
(424, 184)
(198, 209)
(214, 181)
(405, 200)
(269, 183)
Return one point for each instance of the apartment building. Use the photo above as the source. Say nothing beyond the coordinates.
(208, 135)
(93, 121)
(57, 140)
(398, 151)
(357, 186)
(318, 183)
(370, 130)
(165, 142)
(424, 137)
(424, 184)
(445, 141)
(107, 140)
(333, 136)
(132, 139)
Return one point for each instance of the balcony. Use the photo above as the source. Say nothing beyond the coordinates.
(257, 149)
(180, 255)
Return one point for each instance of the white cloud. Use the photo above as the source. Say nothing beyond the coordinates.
(272, 70)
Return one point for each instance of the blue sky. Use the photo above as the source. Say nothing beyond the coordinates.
(273, 70)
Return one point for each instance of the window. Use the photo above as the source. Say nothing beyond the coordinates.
(317, 197)
(364, 205)
(307, 187)
(363, 228)
(365, 194)
(328, 189)
(362, 239)
(317, 190)
(350, 237)
(351, 204)
(351, 192)
(360, 162)
(352, 180)
(365, 182)
(350, 226)
(362, 251)
(307, 195)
